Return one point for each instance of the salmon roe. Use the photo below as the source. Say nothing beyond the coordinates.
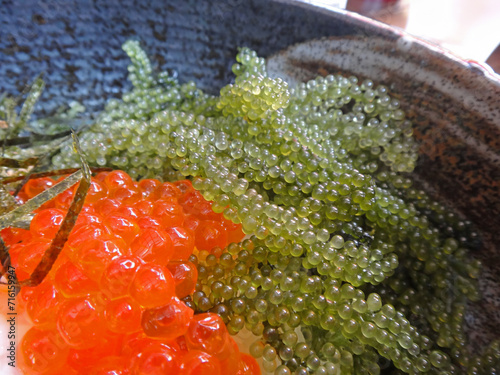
(112, 302)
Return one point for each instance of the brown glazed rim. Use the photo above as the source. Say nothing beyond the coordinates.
(369, 26)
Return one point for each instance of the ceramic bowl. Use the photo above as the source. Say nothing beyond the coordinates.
(454, 104)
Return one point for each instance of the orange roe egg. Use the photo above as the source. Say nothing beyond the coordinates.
(210, 234)
(123, 226)
(133, 343)
(65, 370)
(12, 236)
(82, 360)
(185, 275)
(80, 323)
(167, 191)
(208, 332)
(85, 219)
(194, 204)
(14, 251)
(168, 321)
(148, 222)
(123, 315)
(29, 257)
(153, 245)
(23, 297)
(82, 233)
(170, 214)
(63, 200)
(156, 359)
(148, 187)
(97, 191)
(126, 194)
(143, 207)
(128, 212)
(118, 275)
(106, 207)
(248, 365)
(36, 186)
(234, 232)
(42, 351)
(72, 282)
(191, 222)
(152, 286)
(183, 242)
(43, 303)
(94, 255)
(117, 179)
(184, 186)
(197, 362)
(230, 358)
(46, 223)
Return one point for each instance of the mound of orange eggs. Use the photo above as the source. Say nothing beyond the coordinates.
(113, 301)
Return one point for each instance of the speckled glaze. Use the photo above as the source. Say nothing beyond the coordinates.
(454, 104)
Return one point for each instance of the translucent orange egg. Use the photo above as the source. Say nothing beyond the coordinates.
(197, 362)
(118, 275)
(42, 351)
(152, 286)
(80, 323)
(123, 315)
(153, 245)
(185, 275)
(168, 321)
(46, 223)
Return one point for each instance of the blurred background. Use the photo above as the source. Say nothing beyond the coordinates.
(468, 28)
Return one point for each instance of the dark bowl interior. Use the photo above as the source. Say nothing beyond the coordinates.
(77, 44)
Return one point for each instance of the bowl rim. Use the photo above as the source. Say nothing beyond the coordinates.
(377, 28)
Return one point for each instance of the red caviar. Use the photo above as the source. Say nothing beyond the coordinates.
(111, 303)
